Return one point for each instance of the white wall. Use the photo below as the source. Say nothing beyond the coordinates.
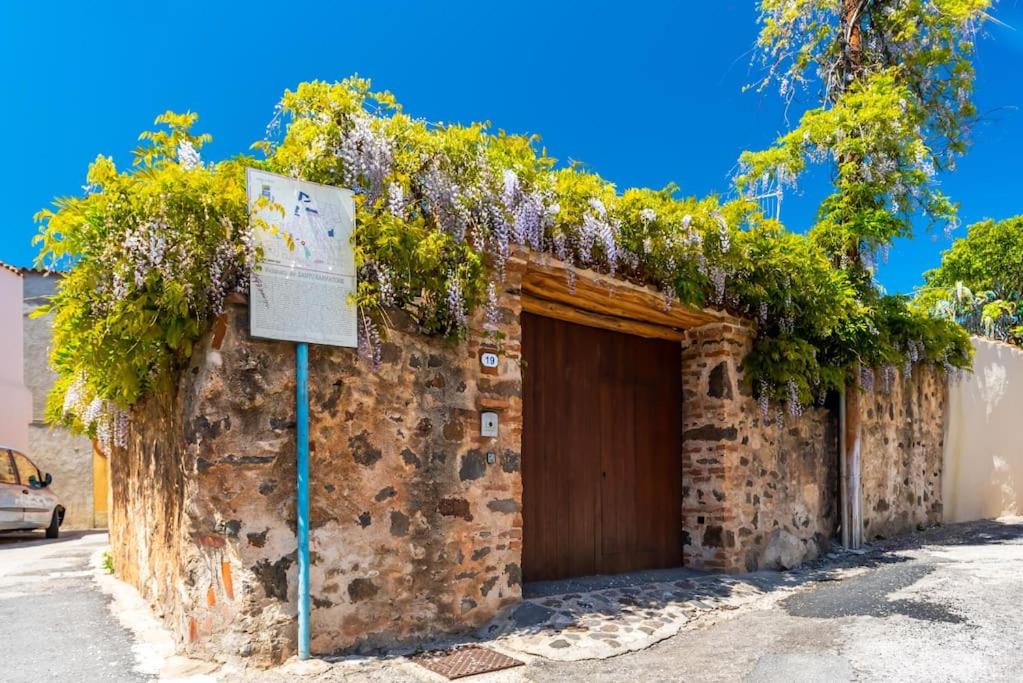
(15, 399)
(983, 468)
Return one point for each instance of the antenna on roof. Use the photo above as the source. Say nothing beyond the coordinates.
(770, 203)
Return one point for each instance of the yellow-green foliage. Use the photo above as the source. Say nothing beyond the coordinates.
(980, 281)
(895, 109)
(439, 210)
(150, 253)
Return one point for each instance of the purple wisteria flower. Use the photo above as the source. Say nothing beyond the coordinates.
(445, 200)
(93, 412)
(385, 286)
(369, 342)
(795, 405)
(492, 315)
(188, 156)
(718, 278)
(367, 157)
(724, 238)
(867, 379)
(529, 221)
(510, 190)
(764, 401)
(396, 199)
(456, 302)
(121, 422)
(888, 376)
(74, 396)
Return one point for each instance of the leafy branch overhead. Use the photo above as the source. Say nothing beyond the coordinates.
(895, 81)
(980, 281)
(153, 251)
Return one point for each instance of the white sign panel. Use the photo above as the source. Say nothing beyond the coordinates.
(301, 294)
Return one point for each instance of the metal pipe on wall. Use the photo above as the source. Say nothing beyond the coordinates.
(852, 432)
(302, 493)
(843, 488)
(856, 511)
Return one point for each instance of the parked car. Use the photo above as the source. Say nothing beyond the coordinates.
(26, 500)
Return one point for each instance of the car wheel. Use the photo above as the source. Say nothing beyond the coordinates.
(53, 531)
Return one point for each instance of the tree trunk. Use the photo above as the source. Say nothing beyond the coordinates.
(853, 65)
(853, 43)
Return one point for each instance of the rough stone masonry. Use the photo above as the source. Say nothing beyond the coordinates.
(416, 525)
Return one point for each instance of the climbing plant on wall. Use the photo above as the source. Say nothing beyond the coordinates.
(152, 251)
(150, 254)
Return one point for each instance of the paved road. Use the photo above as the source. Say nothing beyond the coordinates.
(942, 606)
(947, 606)
(54, 623)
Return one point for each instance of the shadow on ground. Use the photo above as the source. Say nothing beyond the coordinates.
(25, 539)
(617, 614)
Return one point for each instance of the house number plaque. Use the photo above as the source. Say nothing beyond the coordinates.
(489, 360)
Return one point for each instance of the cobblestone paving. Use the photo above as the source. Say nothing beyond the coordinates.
(605, 623)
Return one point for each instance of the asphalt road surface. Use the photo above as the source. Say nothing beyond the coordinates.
(941, 606)
(55, 625)
(944, 605)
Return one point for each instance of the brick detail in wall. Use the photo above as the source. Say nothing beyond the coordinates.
(711, 421)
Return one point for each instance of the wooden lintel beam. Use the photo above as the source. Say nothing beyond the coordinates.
(553, 309)
(549, 280)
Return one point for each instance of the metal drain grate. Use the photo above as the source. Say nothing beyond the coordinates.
(466, 661)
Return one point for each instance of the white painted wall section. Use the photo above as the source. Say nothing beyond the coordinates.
(15, 399)
(983, 468)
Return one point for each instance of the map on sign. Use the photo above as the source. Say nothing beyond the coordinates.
(300, 290)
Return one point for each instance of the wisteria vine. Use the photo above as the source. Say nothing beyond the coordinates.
(440, 210)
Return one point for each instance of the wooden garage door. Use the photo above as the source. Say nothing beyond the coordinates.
(601, 451)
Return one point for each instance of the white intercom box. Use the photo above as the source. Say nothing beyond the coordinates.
(488, 423)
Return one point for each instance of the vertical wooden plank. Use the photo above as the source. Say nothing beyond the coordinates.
(673, 454)
(537, 544)
(547, 516)
(618, 462)
(601, 461)
(579, 443)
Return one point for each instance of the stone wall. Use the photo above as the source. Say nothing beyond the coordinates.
(150, 538)
(415, 518)
(756, 493)
(764, 493)
(903, 444)
(416, 525)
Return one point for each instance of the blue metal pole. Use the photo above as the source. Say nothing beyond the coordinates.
(302, 502)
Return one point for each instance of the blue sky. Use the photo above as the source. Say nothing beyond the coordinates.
(644, 92)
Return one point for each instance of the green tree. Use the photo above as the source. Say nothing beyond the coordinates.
(895, 82)
(980, 281)
(895, 108)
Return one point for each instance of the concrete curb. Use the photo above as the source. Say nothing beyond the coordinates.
(153, 645)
